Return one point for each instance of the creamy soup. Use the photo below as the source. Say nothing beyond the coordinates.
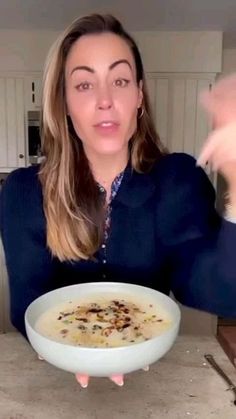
(104, 321)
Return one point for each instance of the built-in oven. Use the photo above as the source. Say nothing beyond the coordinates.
(34, 140)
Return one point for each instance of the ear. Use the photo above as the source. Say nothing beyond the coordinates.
(140, 93)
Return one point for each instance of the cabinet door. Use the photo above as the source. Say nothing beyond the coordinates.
(189, 127)
(181, 122)
(158, 89)
(12, 123)
(33, 91)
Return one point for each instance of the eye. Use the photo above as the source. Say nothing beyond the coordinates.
(121, 82)
(84, 86)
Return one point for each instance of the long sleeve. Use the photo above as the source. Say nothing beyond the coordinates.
(204, 277)
(202, 253)
(30, 267)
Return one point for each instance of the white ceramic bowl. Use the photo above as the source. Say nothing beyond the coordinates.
(101, 362)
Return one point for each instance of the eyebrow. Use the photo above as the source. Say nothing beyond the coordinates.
(91, 70)
(113, 65)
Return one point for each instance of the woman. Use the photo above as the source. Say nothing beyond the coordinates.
(109, 203)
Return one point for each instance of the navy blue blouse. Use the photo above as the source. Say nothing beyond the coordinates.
(114, 189)
(164, 233)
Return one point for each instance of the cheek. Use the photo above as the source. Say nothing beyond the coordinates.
(128, 104)
(128, 114)
(79, 108)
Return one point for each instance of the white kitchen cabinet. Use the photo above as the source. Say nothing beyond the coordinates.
(33, 92)
(181, 122)
(12, 123)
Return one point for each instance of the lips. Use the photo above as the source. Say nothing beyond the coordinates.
(107, 128)
(106, 124)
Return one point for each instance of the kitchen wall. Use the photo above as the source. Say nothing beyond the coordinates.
(162, 51)
(24, 50)
(229, 61)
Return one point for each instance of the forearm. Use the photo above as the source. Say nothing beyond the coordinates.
(204, 272)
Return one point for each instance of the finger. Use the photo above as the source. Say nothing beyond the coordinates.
(222, 160)
(218, 138)
(207, 150)
(213, 141)
(82, 379)
(223, 153)
(216, 157)
(117, 379)
(146, 368)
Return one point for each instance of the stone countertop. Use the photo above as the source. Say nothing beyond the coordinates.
(181, 385)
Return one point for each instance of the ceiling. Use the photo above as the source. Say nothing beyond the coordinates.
(137, 15)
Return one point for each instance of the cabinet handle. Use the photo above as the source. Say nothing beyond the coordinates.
(21, 156)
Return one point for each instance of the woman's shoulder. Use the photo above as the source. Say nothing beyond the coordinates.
(20, 197)
(21, 190)
(179, 174)
(22, 180)
(178, 169)
(175, 163)
(185, 201)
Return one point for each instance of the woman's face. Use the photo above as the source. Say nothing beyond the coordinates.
(102, 94)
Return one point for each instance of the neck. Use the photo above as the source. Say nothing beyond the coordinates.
(106, 168)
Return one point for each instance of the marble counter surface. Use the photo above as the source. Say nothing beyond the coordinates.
(181, 385)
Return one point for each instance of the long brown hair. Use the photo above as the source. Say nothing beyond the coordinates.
(73, 207)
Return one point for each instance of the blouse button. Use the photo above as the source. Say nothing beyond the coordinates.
(103, 246)
(104, 261)
(104, 276)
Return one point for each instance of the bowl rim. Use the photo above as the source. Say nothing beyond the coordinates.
(175, 325)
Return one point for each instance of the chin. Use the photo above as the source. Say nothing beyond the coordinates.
(112, 149)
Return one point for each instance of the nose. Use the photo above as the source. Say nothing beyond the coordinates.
(104, 99)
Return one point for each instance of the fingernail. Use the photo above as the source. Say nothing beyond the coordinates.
(84, 385)
(118, 380)
(200, 163)
(120, 383)
(82, 380)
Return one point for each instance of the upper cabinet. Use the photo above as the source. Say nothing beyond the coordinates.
(12, 123)
(181, 122)
(33, 92)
